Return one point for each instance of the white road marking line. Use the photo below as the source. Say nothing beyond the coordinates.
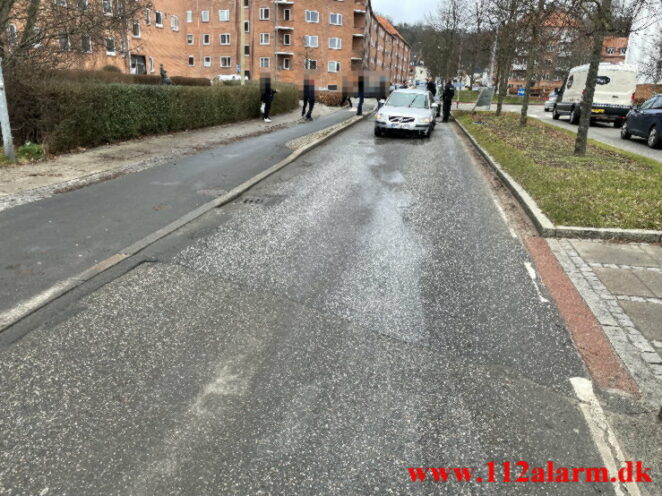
(503, 215)
(27, 306)
(602, 434)
(534, 276)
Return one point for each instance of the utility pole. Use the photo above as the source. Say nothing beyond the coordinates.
(242, 41)
(4, 120)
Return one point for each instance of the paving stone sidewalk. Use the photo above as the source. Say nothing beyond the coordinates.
(622, 284)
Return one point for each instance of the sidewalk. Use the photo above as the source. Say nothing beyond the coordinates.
(27, 183)
(622, 283)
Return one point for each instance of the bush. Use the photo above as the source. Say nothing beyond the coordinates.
(71, 115)
(330, 98)
(105, 76)
(111, 68)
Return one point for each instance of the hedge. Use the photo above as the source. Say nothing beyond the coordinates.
(119, 77)
(67, 115)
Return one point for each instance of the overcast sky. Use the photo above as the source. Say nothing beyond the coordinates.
(405, 10)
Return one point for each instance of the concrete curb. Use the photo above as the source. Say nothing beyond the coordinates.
(26, 308)
(543, 224)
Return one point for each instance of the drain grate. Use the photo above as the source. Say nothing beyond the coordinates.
(254, 201)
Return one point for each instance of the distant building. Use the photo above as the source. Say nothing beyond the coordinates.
(614, 49)
(328, 39)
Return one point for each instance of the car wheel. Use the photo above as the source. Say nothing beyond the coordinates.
(555, 114)
(654, 138)
(574, 116)
(625, 132)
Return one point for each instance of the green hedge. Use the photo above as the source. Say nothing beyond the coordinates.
(73, 115)
(119, 77)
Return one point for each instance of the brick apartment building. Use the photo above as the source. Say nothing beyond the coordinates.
(328, 39)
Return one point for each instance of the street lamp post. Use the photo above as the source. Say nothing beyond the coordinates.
(7, 142)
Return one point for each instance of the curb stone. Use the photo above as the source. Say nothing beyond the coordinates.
(11, 317)
(544, 225)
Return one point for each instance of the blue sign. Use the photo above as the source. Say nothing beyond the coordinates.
(521, 91)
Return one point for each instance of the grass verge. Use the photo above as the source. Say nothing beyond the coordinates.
(607, 188)
(467, 96)
(29, 152)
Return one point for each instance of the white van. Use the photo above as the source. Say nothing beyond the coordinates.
(616, 84)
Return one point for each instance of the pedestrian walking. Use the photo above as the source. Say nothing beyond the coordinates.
(361, 94)
(432, 87)
(447, 97)
(267, 97)
(308, 99)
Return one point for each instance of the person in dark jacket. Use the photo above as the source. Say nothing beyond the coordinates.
(267, 96)
(432, 87)
(361, 94)
(308, 99)
(447, 97)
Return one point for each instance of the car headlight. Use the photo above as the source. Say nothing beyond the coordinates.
(424, 120)
(379, 117)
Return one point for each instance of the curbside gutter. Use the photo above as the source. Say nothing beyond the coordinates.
(544, 225)
(28, 307)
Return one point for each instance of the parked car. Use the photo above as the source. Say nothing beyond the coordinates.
(551, 101)
(616, 83)
(411, 111)
(645, 121)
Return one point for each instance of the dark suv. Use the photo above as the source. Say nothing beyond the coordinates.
(645, 121)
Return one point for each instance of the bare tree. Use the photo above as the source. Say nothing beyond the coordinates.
(535, 20)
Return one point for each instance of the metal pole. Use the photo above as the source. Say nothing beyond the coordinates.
(4, 120)
(242, 41)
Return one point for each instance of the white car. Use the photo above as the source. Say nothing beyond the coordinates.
(409, 111)
(550, 102)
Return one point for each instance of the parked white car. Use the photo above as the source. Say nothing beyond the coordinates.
(410, 111)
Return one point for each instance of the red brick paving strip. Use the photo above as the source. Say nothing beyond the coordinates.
(603, 364)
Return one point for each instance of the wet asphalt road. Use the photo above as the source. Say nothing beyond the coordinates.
(363, 311)
(46, 242)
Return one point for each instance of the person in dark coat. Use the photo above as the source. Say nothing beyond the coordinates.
(447, 97)
(361, 94)
(308, 99)
(267, 96)
(432, 87)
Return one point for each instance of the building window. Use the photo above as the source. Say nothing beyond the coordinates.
(332, 87)
(174, 23)
(206, 39)
(63, 42)
(287, 14)
(264, 62)
(226, 61)
(204, 16)
(189, 16)
(158, 19)
(12, 34)
(86, 44)
(224, 15)
(611, 50)
(135, 30)
(286, 64)
(151, 64)
(335, 43)
(336, 19)
(265, 12)
(148, 16)
(107, 6)
(189, 39)
(206, 61)
(312, 16)
(247, 49)
(191, 60)
(310, 41)
(287, 39)
(247, 26)
(310, 64)
(334, 66)
(264, 39)
(225, 39)
(110, 46)
(622, 50)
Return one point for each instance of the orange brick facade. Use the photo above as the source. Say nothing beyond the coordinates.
(330, 40)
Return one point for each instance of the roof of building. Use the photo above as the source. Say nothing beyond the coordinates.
(390, 28)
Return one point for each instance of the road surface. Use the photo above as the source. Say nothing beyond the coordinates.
(364, 311)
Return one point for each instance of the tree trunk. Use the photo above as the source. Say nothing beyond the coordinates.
(601, 25)
(531, 63)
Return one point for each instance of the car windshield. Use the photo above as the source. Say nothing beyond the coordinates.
(412, 100)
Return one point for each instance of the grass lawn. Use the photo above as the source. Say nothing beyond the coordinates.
(29, 152)
(606, 188)
(467, 96)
